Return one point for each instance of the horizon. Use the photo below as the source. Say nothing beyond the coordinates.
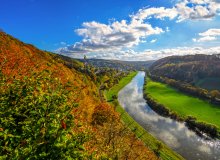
(128, 31)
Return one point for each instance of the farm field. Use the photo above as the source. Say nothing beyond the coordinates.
(183, 104)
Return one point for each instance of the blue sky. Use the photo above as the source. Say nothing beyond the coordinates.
(115, 29)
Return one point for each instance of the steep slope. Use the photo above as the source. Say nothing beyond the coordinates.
(96, 121)
(18, 59)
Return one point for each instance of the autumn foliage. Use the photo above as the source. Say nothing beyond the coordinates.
(63, 104)
(103, 113)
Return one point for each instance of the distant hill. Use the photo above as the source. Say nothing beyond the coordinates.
(120, 65)
(199, 70)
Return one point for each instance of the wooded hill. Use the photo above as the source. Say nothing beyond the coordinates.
(198, 70)
(52, 110)
(119, 65)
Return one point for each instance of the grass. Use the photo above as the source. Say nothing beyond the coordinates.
(184, 105)
(165, 153)
(210, 83)
(116, 88)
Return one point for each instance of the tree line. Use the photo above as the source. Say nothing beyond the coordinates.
(212, 96)
(191, 121)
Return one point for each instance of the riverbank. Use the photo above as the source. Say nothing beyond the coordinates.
(199, 115)
(157, 146)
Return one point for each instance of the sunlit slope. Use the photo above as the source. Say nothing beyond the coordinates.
(18, 60)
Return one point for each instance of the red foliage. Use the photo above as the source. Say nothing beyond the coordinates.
(63, 124)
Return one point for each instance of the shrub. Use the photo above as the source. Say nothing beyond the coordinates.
(35, 119)
(103, 113)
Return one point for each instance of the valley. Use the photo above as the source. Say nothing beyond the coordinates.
(110, 80)
(173, 133)
(102, 103)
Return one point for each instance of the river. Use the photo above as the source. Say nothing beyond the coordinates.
(175, 134)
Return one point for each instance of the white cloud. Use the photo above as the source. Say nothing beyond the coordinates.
(157, 54)
(153, 41)
(200, 1)
(63, 43)
(198, 9)
(205, 39)
(211, 32)
(209, 35)
(146, 55)
(115, 36)
(159, 13)
(167, 29)
(104, 40)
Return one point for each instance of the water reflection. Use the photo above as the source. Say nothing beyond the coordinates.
(173, 133)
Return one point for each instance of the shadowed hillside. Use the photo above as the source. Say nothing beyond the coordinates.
(201, 70)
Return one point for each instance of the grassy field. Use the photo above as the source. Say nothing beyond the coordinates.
(183, 104)
(165, 152)
(209, 83)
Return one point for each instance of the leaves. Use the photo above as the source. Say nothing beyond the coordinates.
(36, 120)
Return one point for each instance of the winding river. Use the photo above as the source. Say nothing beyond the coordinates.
(175, 134)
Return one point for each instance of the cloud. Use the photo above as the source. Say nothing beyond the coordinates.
(167, 29)
(184, 10)
(157, 54)
(118, 37)
(63, 43)
(158, 13)
(153, 41)
(115, 36)
(209, 35)
(211, 32)
(131, 55)
(205, 39)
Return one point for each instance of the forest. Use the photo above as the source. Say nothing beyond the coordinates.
(190, 68)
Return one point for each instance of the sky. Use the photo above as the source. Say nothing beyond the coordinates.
(115, 29)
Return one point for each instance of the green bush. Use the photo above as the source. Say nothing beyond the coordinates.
(36, 120)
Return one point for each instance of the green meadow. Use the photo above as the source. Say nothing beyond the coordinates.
(184, 105)
(116, 88)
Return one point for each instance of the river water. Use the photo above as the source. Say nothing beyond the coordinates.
(175, 134)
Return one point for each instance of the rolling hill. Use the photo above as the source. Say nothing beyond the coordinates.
(199, 70)
(120, 65)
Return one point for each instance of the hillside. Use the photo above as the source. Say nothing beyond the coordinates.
(18, 59)
(48, 107)
(120, 65)
(200, 70)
